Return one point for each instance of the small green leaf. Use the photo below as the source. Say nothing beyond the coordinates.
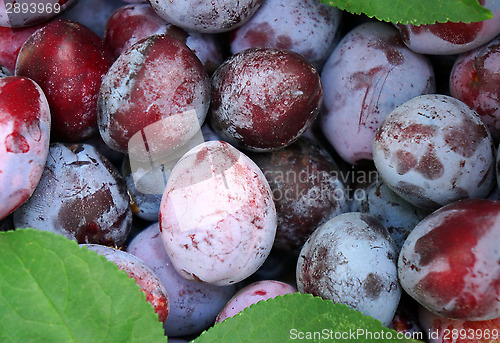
(51, 290)
(299, 318)
(416, 12)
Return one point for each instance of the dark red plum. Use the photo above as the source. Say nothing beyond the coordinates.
(475, 80)
(452, 38)
(11, 41)
(369, 74)
(131, 23)
(71, 80)
(80, 196)
(263, 99)
(449, 262)
(157, 88)
(24, 140)
(307, 190)
(307, 27)
(206, 16)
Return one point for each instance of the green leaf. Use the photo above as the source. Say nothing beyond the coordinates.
(51, 290)
(416, 12)
(297, 318)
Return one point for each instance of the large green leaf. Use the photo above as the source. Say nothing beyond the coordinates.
(416, 12)
(299, 318)
(53, 291)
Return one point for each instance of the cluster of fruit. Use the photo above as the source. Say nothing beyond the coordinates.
(236, 151)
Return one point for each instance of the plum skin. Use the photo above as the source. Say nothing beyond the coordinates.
(24, 133)
(156, 79)
(78, 61)
(449, 261)
(279, 96)
(217, 216)
(434, 150)
(475, 80)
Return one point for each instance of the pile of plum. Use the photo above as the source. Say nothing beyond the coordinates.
(226, 152)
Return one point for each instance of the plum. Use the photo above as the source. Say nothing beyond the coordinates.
(396, 214)
(11, 41)
(368, 75)
(143, 275)
(206, 16)
(351, 259)
(131, 23)
(79, 59)
(24, 137)
(217, 216)
(144, 205)
(449, 262)
(307, 27)
(307, 190)
(434, 150)
(150, 92)
(263, 99)
(475, 80)
(80, 196)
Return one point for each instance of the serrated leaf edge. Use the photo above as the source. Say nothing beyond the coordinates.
(344, 307)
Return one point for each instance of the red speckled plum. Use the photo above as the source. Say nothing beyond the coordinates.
(434, 150)
(351, 259)
(263, 99)
(217, 215)
(475, 80)
(157, 78)
(80, 196)
(144, 276)
(24, 137)
(369, 74)
(307, 27)
(452, 38)
(206, 16)
(71, 80)
(24, 13)
(449, 263)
